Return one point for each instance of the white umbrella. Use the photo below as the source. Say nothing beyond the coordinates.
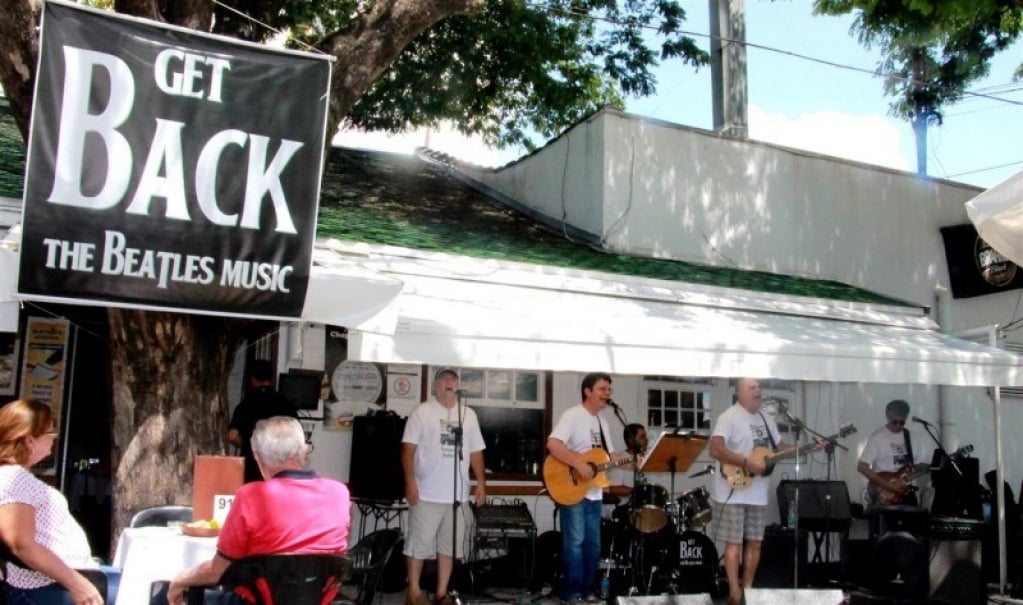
(998, 215)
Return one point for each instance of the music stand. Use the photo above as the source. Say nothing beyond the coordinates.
(672, 453)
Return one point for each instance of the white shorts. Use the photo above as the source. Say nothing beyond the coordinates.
(429, 530)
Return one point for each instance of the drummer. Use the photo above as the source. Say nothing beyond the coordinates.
(623, 479)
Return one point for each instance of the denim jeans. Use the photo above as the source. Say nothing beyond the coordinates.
(580, 547)
(55, 594)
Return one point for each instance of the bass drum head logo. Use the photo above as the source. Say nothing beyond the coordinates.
(992, 266)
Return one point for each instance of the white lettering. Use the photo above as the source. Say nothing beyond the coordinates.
(62, 254)
(188, 82)
(76, 122)
(259, 183)
(165, 152)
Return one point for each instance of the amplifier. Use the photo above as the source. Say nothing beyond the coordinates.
(956, 528)
(508, 520)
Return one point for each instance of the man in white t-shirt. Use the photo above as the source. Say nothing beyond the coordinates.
(892, 449)
(428, 459)
(740, 515)
(580, 429)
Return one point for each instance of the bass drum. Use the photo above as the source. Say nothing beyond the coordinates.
(689, 564)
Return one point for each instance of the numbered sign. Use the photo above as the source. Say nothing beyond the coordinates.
(221, 506)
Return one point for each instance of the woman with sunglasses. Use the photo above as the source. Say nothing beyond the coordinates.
(891, 457)
(35, 523)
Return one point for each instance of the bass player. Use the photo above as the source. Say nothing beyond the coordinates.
(579, 430)
(890, 456)
(740, 515)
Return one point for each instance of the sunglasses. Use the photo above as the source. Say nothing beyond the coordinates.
(897, 422)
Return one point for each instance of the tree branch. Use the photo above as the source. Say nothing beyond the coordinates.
(374, 40)
(19, 53)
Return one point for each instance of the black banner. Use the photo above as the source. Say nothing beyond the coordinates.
(974, 267)
(171, 169)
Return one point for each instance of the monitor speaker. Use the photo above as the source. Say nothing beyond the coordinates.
(912, 520)
(956, 574)
(375, 472)
(792, 596)
(672, 599)
(823, 505)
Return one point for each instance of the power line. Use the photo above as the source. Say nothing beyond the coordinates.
(872, 72)
(1006, 165)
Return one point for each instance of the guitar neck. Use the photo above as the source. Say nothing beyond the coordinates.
(789, 454)
(614, 463)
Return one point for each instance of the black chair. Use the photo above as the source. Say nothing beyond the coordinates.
(97, 577)
(370, 559)
(298, 579)
(160, 516)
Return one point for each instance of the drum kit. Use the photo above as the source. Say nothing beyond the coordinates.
(656, 545)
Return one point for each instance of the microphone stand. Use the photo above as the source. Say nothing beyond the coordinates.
(455, 504)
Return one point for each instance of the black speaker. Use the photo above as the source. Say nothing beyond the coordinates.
(777, 558)
(956, 574)
(375, 472)
(955, 494)
(912, 520)
(823, 505)
(900, 566)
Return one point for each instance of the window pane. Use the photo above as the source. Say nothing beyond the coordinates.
(499, 384)
(654, 418)
(653, 398)
(670, 418)
(471, 381)
(526, 387)
(688, 400)
(671, 400)
(688, 420)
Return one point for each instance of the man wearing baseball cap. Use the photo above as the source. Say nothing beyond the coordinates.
(429, 459)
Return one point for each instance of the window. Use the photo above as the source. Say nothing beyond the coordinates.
(502, 387)
(678, 403)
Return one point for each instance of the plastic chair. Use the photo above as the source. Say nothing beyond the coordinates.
(370, 558)
(160, 516)
(97, 577)
(299, 579)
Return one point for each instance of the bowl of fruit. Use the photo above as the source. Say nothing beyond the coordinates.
(201, 529)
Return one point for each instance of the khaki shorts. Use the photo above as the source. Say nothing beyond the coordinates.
(429, 530)
(735, 522)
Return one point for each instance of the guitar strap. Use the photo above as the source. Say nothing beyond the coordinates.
(909, 447)
(603, 441)
(770, 437)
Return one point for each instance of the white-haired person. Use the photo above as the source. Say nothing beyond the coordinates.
(283, 514)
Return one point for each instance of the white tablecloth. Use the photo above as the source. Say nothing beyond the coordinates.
(148, 554)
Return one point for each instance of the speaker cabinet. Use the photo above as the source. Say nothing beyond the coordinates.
(956, 574)
(899, 567)
(375, 472)
(672, 599)
(778, 558)
(912, 520)
(823, 505)
(790, 596)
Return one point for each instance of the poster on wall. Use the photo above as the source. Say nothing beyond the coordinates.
(358, 386)
(43, 369)
(404, 385)
(8, 364)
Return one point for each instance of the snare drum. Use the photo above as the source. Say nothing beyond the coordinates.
(695, 507)
(648, 507)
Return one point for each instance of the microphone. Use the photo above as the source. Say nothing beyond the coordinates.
(611, 402)
(921, 421)
(461, 392)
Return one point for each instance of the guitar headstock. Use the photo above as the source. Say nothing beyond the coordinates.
(846, 430)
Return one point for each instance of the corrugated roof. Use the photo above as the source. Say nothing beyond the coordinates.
(400, 200)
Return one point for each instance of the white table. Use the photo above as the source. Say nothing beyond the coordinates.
(149, 554)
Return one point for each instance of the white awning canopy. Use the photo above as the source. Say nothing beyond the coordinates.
(469, 322)
(998, 215)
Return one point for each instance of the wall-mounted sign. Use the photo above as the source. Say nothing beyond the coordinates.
(974, 267)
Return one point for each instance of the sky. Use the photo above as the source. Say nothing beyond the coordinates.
(807, 105)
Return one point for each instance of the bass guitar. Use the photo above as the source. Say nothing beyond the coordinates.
(563, 482)
(884, 495)
(739, 478)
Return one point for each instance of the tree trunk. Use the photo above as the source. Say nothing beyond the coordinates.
(168, 375)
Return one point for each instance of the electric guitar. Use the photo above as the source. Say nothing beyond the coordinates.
(563, 482)
(884, 495)
(739, 478)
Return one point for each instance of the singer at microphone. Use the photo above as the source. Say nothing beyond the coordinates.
(893, 457)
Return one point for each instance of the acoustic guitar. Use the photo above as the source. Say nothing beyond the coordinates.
(739, 478)
(563, 482)
(884, 495)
